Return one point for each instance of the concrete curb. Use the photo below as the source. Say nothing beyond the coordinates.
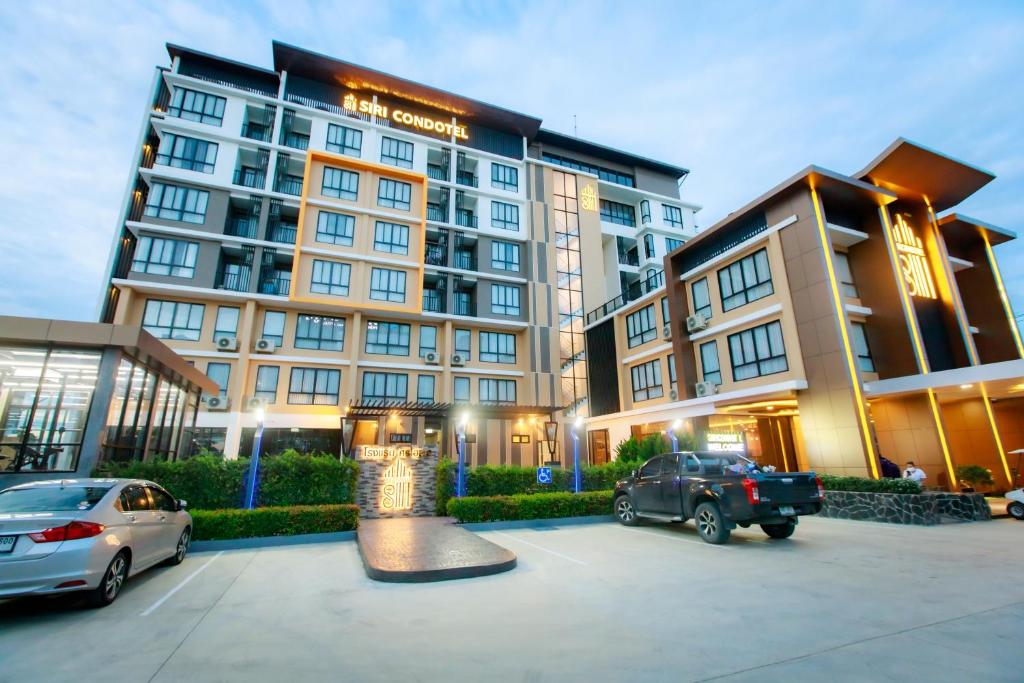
(270, 541)
(550, 523)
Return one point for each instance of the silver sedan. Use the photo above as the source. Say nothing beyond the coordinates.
(87, 535)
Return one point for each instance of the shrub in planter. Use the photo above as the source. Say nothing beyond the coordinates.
(628, 450)
(445, 489)
(974, 476)
(216, 525)
(291, 478)
(865, 485)
(530, 506)
(206, 481)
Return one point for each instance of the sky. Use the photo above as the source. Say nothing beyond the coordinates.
(744, 94)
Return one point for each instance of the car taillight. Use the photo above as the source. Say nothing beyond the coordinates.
(821, 488)
(753, 495)
(68, 532)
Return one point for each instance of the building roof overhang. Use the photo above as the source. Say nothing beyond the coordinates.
(1001, 380)
(963, 231)
(915, 171)
(374, 408)
(574, 144)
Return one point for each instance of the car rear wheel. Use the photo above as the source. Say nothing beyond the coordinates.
(181, 549)
(625, 511)
(1015, 510)
(710, 524)
(784, 530)
(112, 582)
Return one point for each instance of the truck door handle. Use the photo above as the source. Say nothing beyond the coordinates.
(130, 517)
(163, 518)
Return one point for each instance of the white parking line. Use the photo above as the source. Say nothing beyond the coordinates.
(674, 537)
(538, 547)
(181, 585)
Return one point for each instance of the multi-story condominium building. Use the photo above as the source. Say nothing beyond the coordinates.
(831, 323)
(330, 242)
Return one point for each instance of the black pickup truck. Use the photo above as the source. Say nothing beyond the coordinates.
(719, 491)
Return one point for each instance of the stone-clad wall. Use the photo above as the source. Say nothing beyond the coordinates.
(925, 508)
(370, 493)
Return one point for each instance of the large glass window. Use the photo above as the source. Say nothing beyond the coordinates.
(615, 212)
(388, 386)
(227, 323)
(645, 211)
(845, 275)
(463, 343)
(387, 284)
(335, 228)
(197, 106)
(344, 140)
(330, 277)
(428, 339)
(391, 339)
(505, 299)
(394, 194)
(425, 388)
(504, 216)
(606, 174)
(173, 320)
(640, 326)
(176, 203)
(319, 332)
(190, 154)
(671, 244)
(159, 256)
(266, 382)
(757, 351)
(128, 416)
(505, 256)
(340, 183)
(646, 379)
(746, 280)
(673, 215)
(221, 374)
(701, 298)
(392, 238)
(709, 362)
(664, 310)
(460, 389)
(314, 386)
(395, 152)
(273, 327)
(860, 346)
(501, 391)
(504, 177)
(497, 347)
(649, 251)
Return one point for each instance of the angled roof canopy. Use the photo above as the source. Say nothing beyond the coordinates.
(962, 230)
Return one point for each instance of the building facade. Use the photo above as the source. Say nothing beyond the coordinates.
(320, 237)
(830, 323)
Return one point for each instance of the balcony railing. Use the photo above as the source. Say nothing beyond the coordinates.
(436, 212)
(466, 178)
(433, 301)
(249, 177)
(629, 258)
(277, 285)
(465, 218)
(464, 306)
(289, 184)
(284, 233)
(464, 260)
(436, 255)
(296, 140)
(437, 172)
(631, 293)
(256, 131)
(236, 282)
(241, 226)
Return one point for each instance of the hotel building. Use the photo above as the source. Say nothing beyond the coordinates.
(327, 242)
(833, 321)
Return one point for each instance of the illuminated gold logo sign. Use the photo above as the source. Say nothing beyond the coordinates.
(725, 441)
(912, 259)
(388, 452)
(396, 489)
(588, 198)
(355, 104)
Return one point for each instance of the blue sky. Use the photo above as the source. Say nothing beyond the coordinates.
(742, 93)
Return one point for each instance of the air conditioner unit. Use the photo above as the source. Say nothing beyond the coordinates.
(666, 332)
(696, 323)
(227, 344)
(431, 358)
(255, 403)
(265, 345)
(706, 388)
(458, 359)
(674, 395)
(217, 403)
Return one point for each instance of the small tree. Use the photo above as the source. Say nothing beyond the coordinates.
(654, 444)
(628, 450)
(687, 441)
(974, 476)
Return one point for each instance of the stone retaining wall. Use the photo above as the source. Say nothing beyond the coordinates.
(925, 508)
(377, 493)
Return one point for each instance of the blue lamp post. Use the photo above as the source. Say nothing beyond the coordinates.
(576, 474)
(460, 484)
(254, 462)
(672, 434)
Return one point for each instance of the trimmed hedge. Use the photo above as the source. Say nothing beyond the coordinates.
(530, 506)
(217, 525)
(864, 485)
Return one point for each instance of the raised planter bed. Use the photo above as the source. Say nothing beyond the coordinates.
(926, 509)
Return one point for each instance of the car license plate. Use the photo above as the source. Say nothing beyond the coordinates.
(786, 510)
(7, 543)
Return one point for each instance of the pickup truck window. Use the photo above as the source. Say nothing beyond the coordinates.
(725, 463)
(652, 468)
(692, 464)
(670, 464)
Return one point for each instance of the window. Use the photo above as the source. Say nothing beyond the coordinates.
(395, 152)
(504, 177)
(505, 256)
(646, 380)
(428, 339)
(746, 280)
(649, 245)
(162, 500)
(860, 346)
(673, 215)
(757, 351)
(845, 275)
(392, 238)
(497, 347)
(463, 342)
(640, 326)
(709, 362)
(190, 154)
(425, 388)
(314, 386)
(497, 390)
(671, 244)
(158, 256)
(394, 194)
(227, 322)
(387, 284)
(461, 389)
(601, 172)
(335, 228)
(173, 320)
(221, 374)
(344, 140)
(385, 385)
(197, 106)
(330, 277)
(651, 469)
(701, 298)
(664, 310)
(320, 332)
(266, 382)
(645, 211)
(614, 212)
(273, 327)
(391, 339)
(504, 216)
(176, 203)
(504, 299)
(671, 361)
(340, 183)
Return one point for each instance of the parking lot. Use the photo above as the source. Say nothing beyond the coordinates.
(843, 601)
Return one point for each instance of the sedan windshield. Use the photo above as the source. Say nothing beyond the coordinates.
(52, 499)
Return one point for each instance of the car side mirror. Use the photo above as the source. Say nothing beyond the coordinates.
(182, 504)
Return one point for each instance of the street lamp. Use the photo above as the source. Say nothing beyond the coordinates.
(460, 484)
(676, 426)
(254, 461)
(576, 474)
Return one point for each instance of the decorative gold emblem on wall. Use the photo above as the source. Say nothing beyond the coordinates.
(350, 103)
(396, 492)
(913, 262)
(588, 198)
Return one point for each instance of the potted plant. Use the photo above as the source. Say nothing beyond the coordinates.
(973, 476)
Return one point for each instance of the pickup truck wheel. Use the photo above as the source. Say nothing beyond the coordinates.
(625, 510)
(1015, 510)
(784, 530)
(710, 524)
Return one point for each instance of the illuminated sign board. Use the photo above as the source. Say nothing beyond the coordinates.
(588, 198)
(913, 262)
(725, 441)
(363, 106)
(389, 452)
(396, 488)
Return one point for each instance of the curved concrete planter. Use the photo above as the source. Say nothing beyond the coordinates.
(925, 509)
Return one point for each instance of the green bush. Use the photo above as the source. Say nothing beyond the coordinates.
(295, 479)
(864, 485)
(974, 475)
(445, 489)
(530, 506)
(217, 525)
(652, 445)
(206, 482)
(628, 450)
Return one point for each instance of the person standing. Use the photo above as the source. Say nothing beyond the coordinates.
(914, 473)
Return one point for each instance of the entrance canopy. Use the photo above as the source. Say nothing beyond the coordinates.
(382, 408)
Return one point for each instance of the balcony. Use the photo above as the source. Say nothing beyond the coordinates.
(465, 218)
(433, 301)
(630, 293)
(256, 131)
(437, 172)
(289, 184)
(235, 280)
(467, 178)
(277, 284)
(436, 255)
(437, 212)
(296, 140)
(284, 233)
(250, 177)
(464, 304)
(464, 259)
(241, 226)
(629, 258)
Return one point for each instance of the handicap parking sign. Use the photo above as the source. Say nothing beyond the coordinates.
(543, 475)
